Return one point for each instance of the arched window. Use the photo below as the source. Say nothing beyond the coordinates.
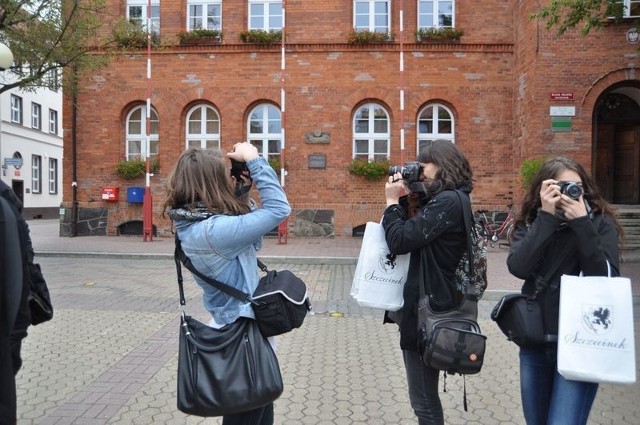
(203, 128)
(137, 133)
(435, 122)
(371, 133)
(265, 130)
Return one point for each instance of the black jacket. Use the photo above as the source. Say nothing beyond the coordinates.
(583, 244)
(436, 239)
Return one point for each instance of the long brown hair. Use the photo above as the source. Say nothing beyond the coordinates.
(202, 176)
(549, 170)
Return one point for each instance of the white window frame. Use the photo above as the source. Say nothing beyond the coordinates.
(430, 18)
(136, 133)
(203, 138)
(142, 20)
(16, 109)
(262, 10)
(53, 79)
(36, 116)
(264, 130)
(628, 4)
(36, 174)
(437, 122)
(372, 14)
(372, 137)
(53, 121)
(200, 19)
(53, 176)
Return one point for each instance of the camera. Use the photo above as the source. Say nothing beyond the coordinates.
(410, 171)
(572, 189)
(238, 169)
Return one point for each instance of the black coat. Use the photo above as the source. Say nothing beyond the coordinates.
(436, 239)
(582, 244)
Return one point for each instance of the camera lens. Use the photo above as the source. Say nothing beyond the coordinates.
(573, 191)
(396, 169)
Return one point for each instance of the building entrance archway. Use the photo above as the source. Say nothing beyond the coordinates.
(616, 121)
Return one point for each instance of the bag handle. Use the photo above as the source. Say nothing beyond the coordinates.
(181, 257)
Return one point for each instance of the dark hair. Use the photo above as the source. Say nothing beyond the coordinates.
(549, 170)
(454, 169)
(202, 176)
(454, 172)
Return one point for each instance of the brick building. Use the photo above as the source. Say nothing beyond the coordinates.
(506, 91)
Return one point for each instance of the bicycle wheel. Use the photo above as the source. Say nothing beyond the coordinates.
(509, 232)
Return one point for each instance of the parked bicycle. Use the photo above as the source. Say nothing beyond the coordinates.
(492, 229)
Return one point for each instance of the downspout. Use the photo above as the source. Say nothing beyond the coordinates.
(74, 150)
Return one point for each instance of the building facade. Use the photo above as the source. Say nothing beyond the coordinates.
(31, 146)
(325, 96)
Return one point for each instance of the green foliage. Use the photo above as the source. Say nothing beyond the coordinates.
(136, 168)
(528, 171)
(275, 163)
(129, 34)
(438, 33)
(200, 33)
(50, 35)
(369, 170)
(261, 36)
(369, 37)
(568, 14)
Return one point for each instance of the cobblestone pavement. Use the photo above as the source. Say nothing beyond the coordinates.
(109, 356)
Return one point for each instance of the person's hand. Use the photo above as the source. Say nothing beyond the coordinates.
(394, 188)
(549, 196)
(244, 152)
(572, 208)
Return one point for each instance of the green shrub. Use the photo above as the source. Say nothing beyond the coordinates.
(200, 33)
(438, 33)
(129, 34)
(136, 168)
(261, 36)
(369, 170)
(528, 171)
(368, 37)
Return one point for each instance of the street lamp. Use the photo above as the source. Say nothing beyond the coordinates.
(6, 57)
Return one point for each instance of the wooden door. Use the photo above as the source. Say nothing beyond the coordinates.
(626, 174)
(603, 170)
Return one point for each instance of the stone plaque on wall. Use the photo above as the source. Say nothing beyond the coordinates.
(318, 161)
(317, 137)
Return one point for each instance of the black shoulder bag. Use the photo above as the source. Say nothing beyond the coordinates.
(520, 317)
(224, 371)
(280, 301)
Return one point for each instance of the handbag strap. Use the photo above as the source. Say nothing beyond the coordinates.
(181, 257)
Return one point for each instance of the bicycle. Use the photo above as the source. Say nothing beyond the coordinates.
(493, 230)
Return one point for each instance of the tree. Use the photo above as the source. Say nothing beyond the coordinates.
(567, 14)
(46, 36)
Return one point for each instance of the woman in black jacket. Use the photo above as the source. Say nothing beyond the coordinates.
(429, 224)
(564, 225)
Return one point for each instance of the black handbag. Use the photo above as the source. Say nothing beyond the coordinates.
(224, 371)
(40, 305)
(520, 316)
(280, 301)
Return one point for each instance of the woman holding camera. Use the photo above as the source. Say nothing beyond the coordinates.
(564, 225)
(428, 223)
(221, 230)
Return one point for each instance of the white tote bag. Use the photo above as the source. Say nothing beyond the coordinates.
(595, 333)
(380, 277)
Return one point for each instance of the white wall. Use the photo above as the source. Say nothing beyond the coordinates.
(22, 138)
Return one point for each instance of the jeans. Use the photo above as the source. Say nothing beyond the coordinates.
(423, 389)
(548, 398)
(260, 416)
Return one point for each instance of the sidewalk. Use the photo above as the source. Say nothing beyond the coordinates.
(339, 250)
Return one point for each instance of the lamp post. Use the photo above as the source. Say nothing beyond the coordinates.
(6, 60)
(6, 57)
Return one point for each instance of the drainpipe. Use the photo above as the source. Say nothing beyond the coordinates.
(74, 150)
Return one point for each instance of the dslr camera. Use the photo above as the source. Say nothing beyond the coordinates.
(410, 171)
(572, 189)
(238, 169)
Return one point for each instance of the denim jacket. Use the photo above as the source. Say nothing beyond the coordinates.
(225, 246)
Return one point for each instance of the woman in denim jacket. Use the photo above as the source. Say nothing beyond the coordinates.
(221, 230)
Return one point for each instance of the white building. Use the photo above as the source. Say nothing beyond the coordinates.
(31, 146)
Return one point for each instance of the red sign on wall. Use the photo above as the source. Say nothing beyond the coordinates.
(560, 96)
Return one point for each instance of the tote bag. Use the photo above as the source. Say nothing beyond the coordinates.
(380, 277)
(595, 331)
